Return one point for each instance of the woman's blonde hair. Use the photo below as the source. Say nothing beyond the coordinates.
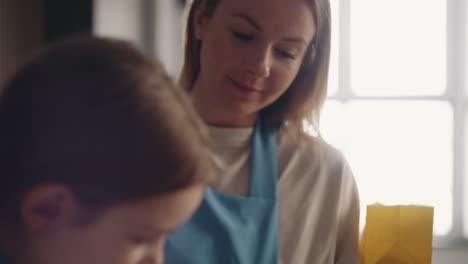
(304, 98)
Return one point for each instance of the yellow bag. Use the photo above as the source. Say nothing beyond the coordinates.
(397, 235)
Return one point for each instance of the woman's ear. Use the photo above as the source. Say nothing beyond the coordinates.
(48, 206)
(199, 20)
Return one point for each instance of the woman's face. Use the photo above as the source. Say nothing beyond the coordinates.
(251, 52)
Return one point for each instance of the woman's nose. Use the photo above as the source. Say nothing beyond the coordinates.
(259, 63)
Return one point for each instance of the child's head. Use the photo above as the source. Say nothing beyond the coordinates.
(100, 156)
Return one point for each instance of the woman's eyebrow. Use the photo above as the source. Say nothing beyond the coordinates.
(300, 40)
(254, 24)
(248, 19)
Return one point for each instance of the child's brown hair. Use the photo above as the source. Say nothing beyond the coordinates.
(98, 116)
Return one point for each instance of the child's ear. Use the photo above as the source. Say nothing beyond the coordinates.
(47, 206)
(200, 20)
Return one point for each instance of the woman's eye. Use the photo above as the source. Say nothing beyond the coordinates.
(285, 54)
(241, 36)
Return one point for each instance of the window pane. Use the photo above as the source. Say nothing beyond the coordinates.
(400, 152)
(398, 47)
(333, 75)
(465, 167)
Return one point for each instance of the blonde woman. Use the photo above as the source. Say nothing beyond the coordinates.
(256, 70)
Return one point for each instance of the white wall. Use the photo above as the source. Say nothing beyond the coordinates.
(118, 18)
(169, 35)
(161, 36)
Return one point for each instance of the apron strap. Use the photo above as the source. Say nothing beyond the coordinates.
(264, 160)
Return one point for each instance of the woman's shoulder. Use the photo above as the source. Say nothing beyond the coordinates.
(310, 167)
(311, 161)
(313, 151)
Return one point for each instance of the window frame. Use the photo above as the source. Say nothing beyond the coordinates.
(456, 95)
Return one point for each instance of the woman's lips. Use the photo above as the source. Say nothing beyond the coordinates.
(244, 88)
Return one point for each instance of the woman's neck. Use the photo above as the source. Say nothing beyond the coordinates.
(226, 120)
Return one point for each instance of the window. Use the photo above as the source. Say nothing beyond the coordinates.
(398, 105)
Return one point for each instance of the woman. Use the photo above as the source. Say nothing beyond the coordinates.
(256, 69)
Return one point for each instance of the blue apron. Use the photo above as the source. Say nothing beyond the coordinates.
(230, 229)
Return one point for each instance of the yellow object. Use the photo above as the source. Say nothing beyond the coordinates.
(397, 235)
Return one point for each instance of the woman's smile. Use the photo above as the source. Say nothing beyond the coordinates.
(245, 89)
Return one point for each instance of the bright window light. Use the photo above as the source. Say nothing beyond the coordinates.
(400, 152)
(398, 47)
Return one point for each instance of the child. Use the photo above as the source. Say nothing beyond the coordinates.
(100, 157)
